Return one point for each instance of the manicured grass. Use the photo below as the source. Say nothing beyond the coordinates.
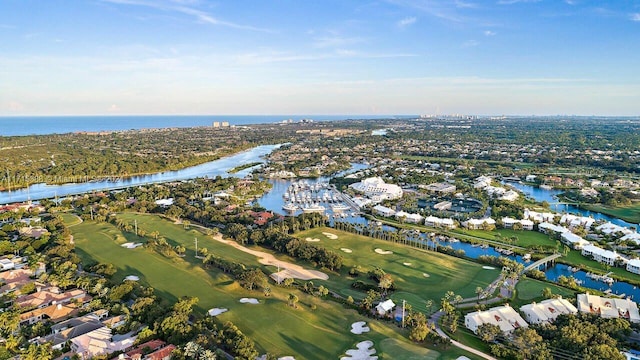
(445, 272)
(525, 237)
(70, 219)
(322, 333)
(528, 290)
(626, 213)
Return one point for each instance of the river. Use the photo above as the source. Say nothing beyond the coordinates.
(550, 196)
(210, 169)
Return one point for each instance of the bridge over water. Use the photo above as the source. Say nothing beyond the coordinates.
(536, 264)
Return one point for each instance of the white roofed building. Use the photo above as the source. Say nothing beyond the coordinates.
(439, 222)
(376, 188)
(475, 224)
(573, 240)
(608, 307)
(633, 266)
(574, 221)
(547, 311)
(601, 255)
(384, 211)
(538, 216)
(505, 317)
(384, 307)
(549, 228)
(634, 237)
(613, 229)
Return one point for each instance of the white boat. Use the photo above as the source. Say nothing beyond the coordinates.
(339, 207)
(290, 207)
(546, 187)
(526, 257)
(314, 208)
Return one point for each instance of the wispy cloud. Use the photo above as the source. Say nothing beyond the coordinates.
(335, 41)
(470, 43)
(511, 2)
(571, 2)
(180, 6)
(465, 5)
(489, 33)
(448, 11)
(286, 57)
(635, 17)
(410, 20)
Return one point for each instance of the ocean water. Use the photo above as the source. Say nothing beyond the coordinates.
(40, 125)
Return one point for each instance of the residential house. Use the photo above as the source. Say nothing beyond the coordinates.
(440, 188)
(547, 311)
(99, 342)
(609, 307)
(613, 229)
(633, 266)
(505, 317)
(14, 280)
(573, 240)
(54, 313)
(475, 224)
(51, 295)
(551, 229)
(601, 255)
(573, 221)
(634, 237)
(384, 211)
(439, 222)
(538, 216)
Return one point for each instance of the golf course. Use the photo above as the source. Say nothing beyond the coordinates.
(317, 328)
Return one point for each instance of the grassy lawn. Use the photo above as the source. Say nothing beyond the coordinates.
(626, 213)
(322, 333)
(529, 290)
(444, 272)
(70, 219)
(525, 237)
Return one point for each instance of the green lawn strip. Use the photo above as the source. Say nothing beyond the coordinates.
(70, 219)
(627, 213)
(310, 334)
(525, 237)
(575, 258)
(529, 290)
(444, 272)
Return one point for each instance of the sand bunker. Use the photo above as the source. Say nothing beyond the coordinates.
(217, 311)
(406, 264)
(132, 278)
(287, 358)
(362, 353)
(131, 245)
(425, 275)
(312, 239)
(249, 301)
(347, 250)
(488, 267)
(289, 270)
(359, 327)
(330, 235)
(383, 252)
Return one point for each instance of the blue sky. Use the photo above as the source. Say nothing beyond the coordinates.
(319, 57)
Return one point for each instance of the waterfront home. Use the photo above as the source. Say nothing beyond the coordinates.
(551, 229)
(538, 216)
(613, 229)
(547, 311)
(505, 317)
(572, 221)
(634, 237)
(475, 224)
(384, 211)
(633, 266)
(573, 240)
(439, 222)
(609, 307)
(408, 217)
(508, 223)
(601, 255)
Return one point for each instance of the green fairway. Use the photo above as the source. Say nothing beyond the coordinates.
(306, 333)
(70, 219)
(443, 272)
(525, 237)
(626, 213)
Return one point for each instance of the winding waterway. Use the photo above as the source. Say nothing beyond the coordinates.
(210, 169)
(550, 196)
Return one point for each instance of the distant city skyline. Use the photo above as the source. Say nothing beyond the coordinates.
(137, 57)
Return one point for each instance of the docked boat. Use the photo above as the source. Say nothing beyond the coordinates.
(313, 208)
(290, 207)
(339, 207)
(526, 257)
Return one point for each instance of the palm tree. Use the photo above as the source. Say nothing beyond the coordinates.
(479, 291)
(192, 349)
